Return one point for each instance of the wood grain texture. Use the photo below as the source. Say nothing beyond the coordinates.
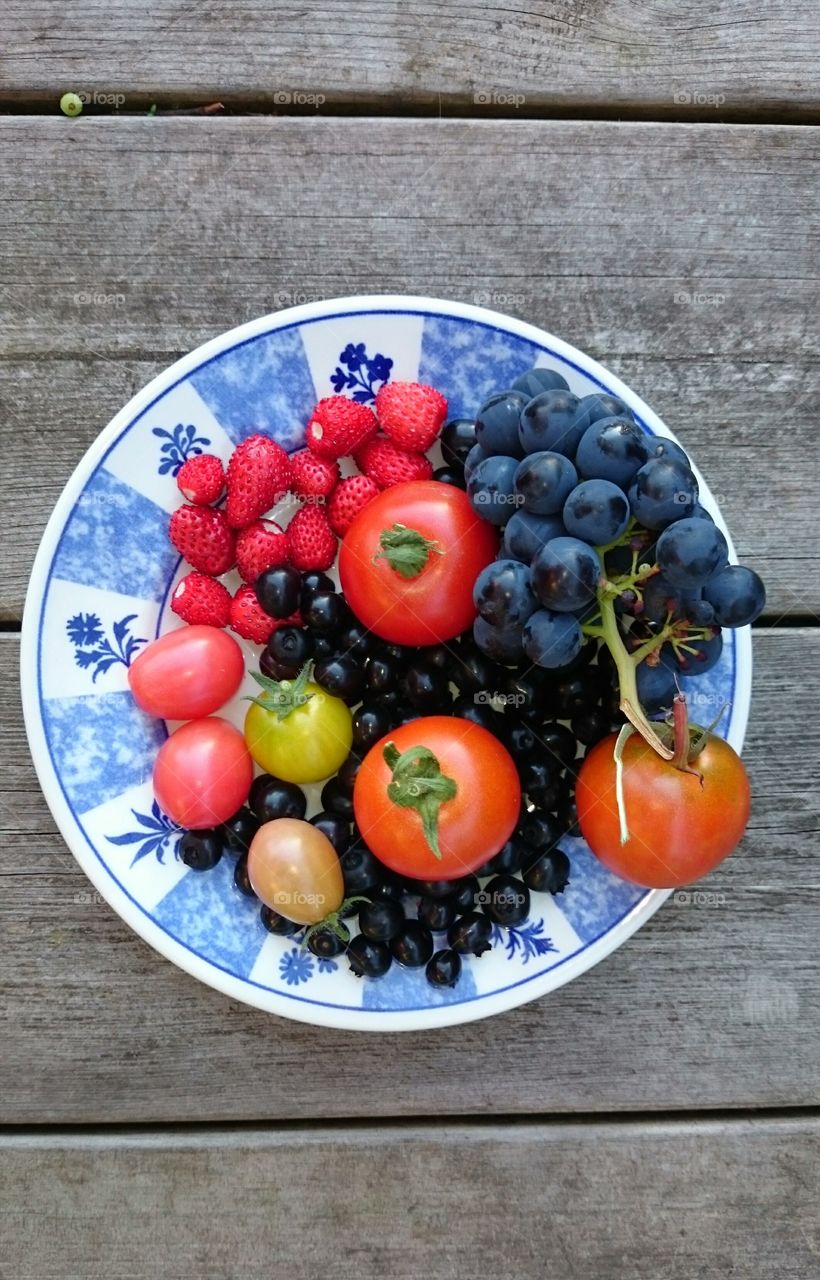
(699, 55)
(685, 257)
(512, 1201)
(712, 1004)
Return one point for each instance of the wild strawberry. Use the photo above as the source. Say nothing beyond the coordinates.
(201, 479)
(347, 500)
(411, 414)
(311, 540)
(258, 477)
(202, 535)
(313, 477)
(200, 600)
(339, 426)
(248, 618)
(263, 545)
(386, 464)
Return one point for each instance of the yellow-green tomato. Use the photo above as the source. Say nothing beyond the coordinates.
(295, 870)
(305, 743)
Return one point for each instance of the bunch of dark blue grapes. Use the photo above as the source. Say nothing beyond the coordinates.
(588, 500)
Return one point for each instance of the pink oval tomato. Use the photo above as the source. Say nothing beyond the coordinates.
(187, 673)
(203, 773)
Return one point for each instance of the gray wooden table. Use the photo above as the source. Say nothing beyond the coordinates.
(643, 181)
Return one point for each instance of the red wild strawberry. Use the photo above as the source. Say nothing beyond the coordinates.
(313, 477)
(339, 426)
(201, 479)
(347, 500)
(248, 618)
(411, 414)
(387, 464)
(311, 540)
(202, 535)
(258, 477)
(263, 545)
(200, 600)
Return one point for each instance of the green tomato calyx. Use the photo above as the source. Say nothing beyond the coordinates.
(406, 550)
(418, 783)
(283, 696)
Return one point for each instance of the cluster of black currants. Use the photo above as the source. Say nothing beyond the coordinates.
(406, 920)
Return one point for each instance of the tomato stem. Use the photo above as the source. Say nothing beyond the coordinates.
(418, 783)
(406, 550)
(282, 696)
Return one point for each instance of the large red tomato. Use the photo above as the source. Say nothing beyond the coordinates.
(408, 562)
(454, 774)
(679, 828)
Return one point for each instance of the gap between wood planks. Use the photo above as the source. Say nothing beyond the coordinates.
(427, 106)
(651, 1120)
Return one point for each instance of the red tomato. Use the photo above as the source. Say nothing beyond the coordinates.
(473, 823)
(203, 773)
(678, 829)
(187, 673)
(452, 546)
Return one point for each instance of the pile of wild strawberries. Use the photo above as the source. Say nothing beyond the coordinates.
(387, 446)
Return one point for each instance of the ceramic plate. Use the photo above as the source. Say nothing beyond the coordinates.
(100, 590)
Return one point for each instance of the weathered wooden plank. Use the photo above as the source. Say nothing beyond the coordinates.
(512, 1201)
(720, 995)
(685, 257)
(548, 54)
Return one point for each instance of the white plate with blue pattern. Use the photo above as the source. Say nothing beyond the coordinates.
(100, 589)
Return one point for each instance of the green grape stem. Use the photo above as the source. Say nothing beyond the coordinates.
(626, 666)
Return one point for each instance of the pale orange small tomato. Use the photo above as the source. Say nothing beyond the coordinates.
(294, 869)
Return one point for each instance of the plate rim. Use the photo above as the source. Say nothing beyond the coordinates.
(207, 971)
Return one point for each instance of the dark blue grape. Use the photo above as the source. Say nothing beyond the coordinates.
(525, 534)
(490, 489)
(660, 447)
(694, 657)
(472, 460)
(691, 551)
(597, 511)
(502, 644)
(700, 513)
(737, 596)
(496, 423)
(657, 686)
(599, 405)
(612, 449)
(536, 381)
(503, 595)
(663, 600)
(548, 422)
(565, 574)
(552, 640)
(543, 481)
(662, 492)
